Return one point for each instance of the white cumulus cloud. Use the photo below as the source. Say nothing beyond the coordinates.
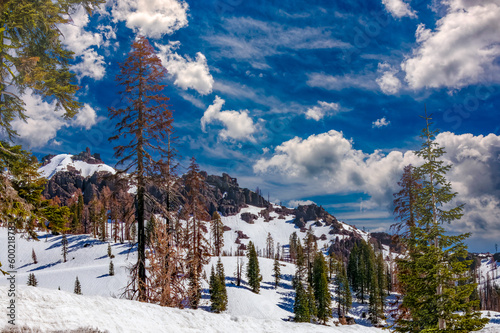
(187, 73)
(91, 65)
(463, 49)
(151, 18)
(80, 41)
(399, 8)
(238, 125)
(318, 112)
(45, 121)
(388, 82)
(380, 122)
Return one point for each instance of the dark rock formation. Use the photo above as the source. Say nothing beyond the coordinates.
(87, 157)
(386, 239)
(249, 217)
(312, 213)
(227, 197)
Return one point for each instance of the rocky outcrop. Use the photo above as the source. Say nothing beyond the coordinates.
(312, 213)
(223, 194)
(65, 183)
(87, 157)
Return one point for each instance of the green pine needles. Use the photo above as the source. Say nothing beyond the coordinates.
(253, 271)
(218, 292)
(434, 272)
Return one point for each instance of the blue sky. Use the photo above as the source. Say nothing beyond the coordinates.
(308, 100)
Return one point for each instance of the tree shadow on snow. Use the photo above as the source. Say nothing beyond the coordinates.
(45, 266)
(286, 301)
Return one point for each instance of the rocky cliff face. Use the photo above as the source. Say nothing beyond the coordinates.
(226, 196)
(65, 183)
(312, 213)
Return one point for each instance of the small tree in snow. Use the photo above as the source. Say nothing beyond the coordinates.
(32, 281)
(64, 243)
(33, 256)
(78, 287)
(111, 268)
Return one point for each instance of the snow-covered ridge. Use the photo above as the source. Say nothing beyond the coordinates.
(64, 162)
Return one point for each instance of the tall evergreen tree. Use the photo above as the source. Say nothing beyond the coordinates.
(432, 272)
(253, 271)
(217, 230)
(301, 304)
(269, 246)
(344, 297)
(292, 244)
(145, 123)
(321, 289)
(277, 271)
(310, 250)
(218, 293)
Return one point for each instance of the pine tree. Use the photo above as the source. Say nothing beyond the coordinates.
(301, 304)
(433, 270)
(343, 291)
(301, 271)
(253, 271)
(321, 289)
(32, 281)
(294, 239)
(277, 271)
(311, 301)
(33, 256)
(78, 287)
(310, 250)
(218, 293)
(269, 246)
(64, 244)
(111, 268)
(32, 56)
(146, 122)
(217, 230)
(21, 189)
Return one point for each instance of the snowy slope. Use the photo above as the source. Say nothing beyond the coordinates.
(64, 162)
(58, 310)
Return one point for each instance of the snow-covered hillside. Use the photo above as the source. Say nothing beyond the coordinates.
(280, 230)
(47, 308)
(64, 162)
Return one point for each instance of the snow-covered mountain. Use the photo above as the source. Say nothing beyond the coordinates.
(67, 162)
